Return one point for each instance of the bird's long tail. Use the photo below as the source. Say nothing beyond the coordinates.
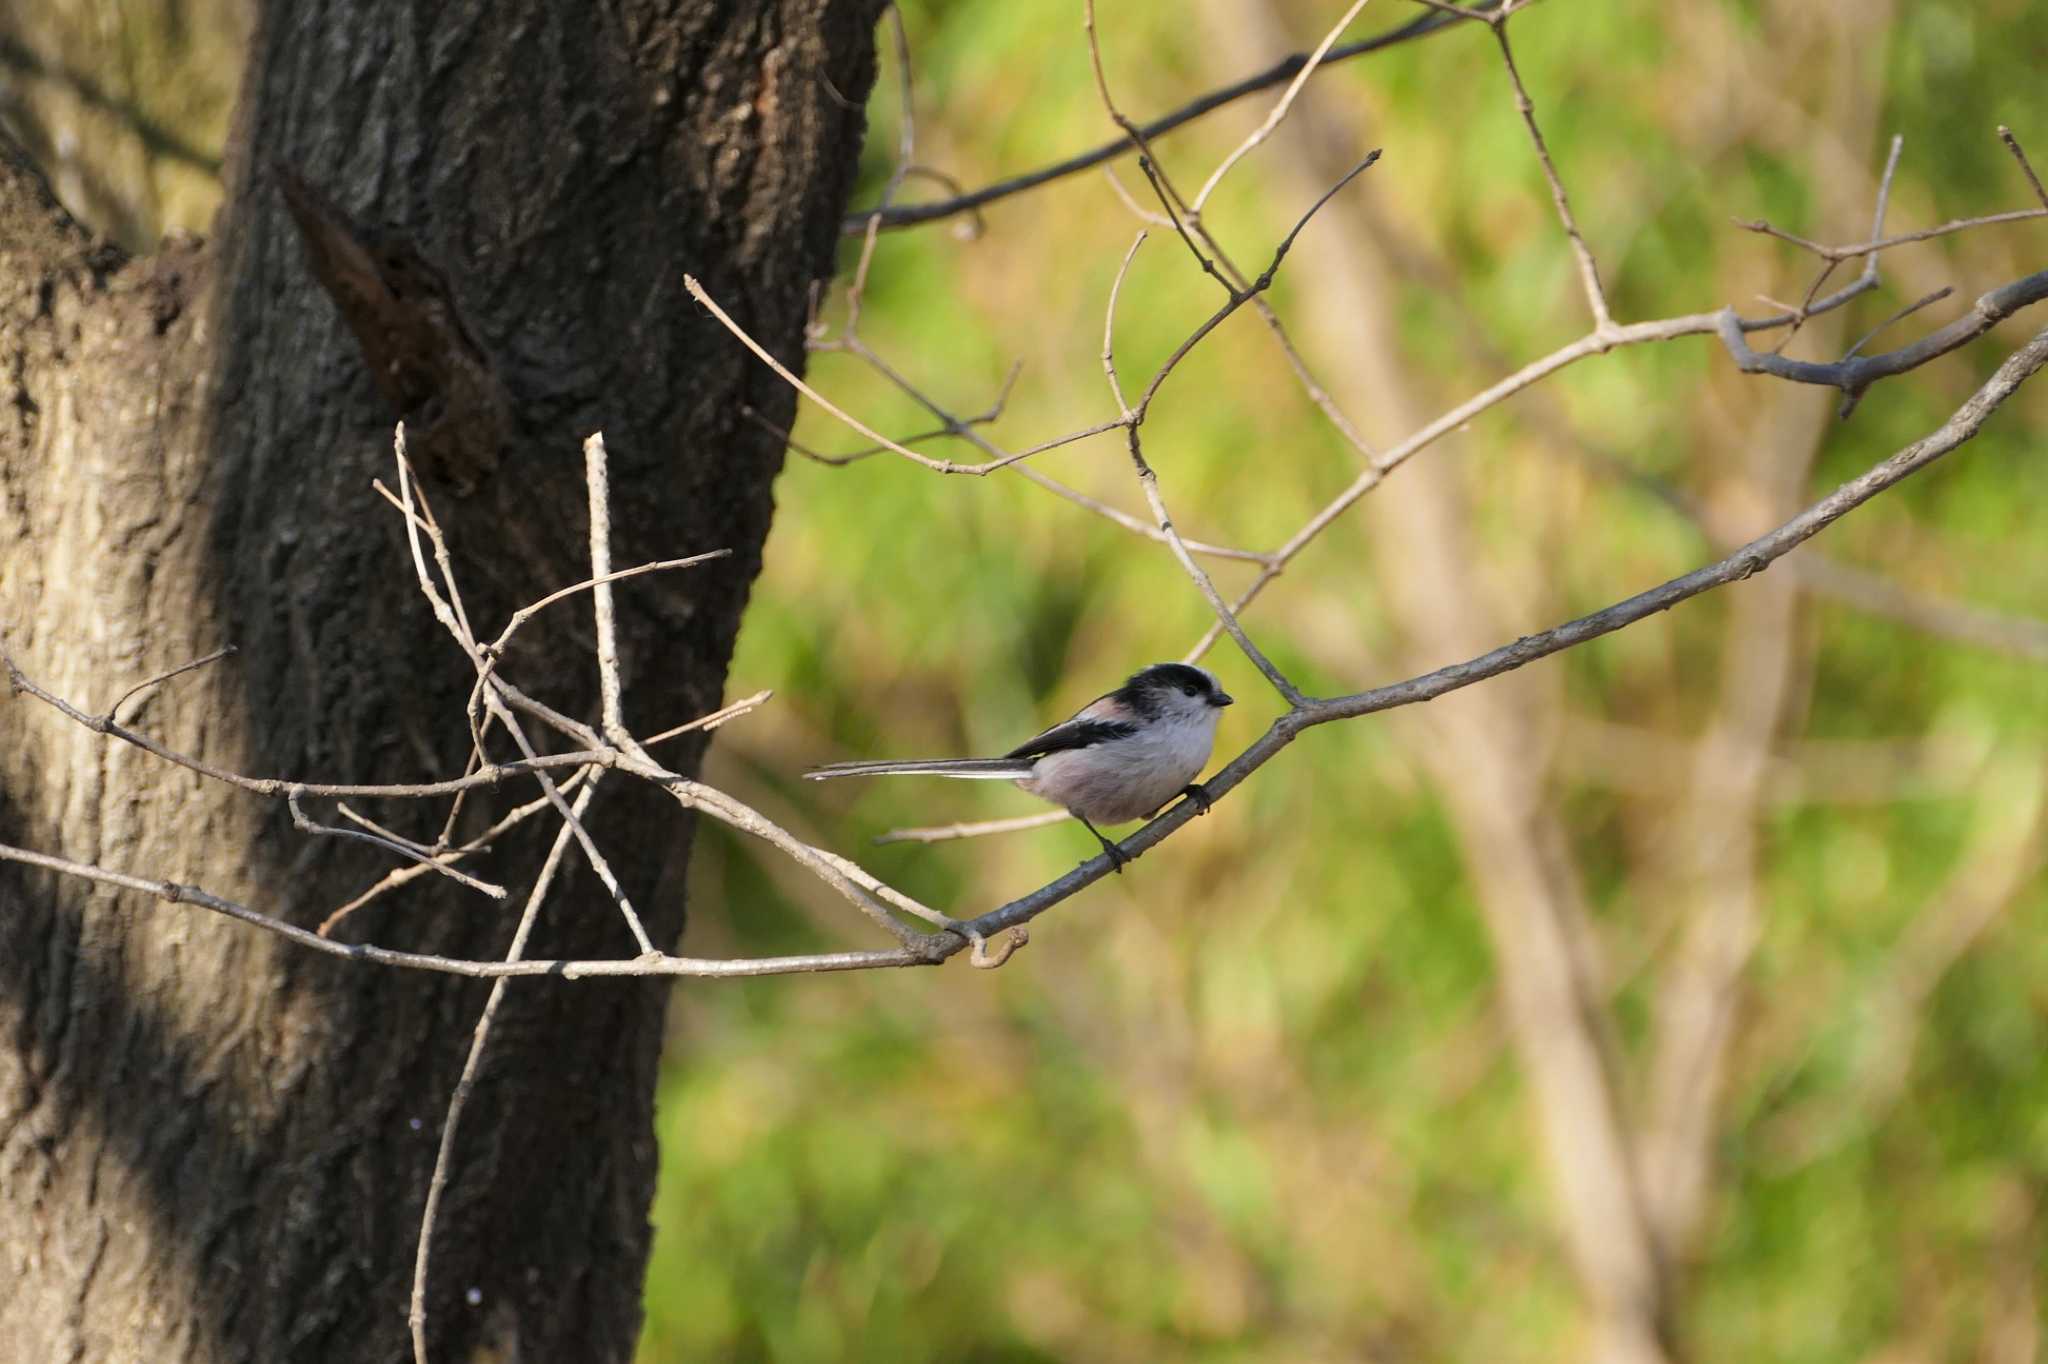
(975, 769)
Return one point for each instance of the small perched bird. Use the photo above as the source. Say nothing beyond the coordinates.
(1123, 756)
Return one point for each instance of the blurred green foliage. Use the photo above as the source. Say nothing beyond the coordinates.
(1257, 1099)
(125, 107)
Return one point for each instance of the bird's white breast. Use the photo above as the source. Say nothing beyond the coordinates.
(1125, 779)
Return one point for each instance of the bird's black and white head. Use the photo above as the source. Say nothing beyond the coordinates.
(1174, 691)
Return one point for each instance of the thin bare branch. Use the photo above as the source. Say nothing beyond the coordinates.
(944, 833)
(1225, 617)
(1001, 458)
(532, 609)
(610, 689)
(491, 774)
(788, 376)
(906, 150)
(910, 215)
(358, 818)
(465, 1084)
(1132, 523)
(1138, 210)
(864, 891)
(1116, 287)
(833, 461)
(660, 964)
(1589, 271)
(1855, 249)
(2012, 144)
(1925, 301)
(183, 668)
(405, 848)
(1457, 12)
(1279, 111)
(1239, 297)
(746, 705)
(942, 466)
(952, 429)
(401, 876)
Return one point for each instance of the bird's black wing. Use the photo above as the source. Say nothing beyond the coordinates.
(1079, 732)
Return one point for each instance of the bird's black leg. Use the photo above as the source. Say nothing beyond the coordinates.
(1116, 854)
(1197, 793)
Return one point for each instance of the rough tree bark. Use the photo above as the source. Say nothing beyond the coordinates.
(212, 1145)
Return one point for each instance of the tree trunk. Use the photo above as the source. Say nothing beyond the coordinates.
(214, 1145)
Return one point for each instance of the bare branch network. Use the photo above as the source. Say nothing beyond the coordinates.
(916, 934)
(609, 747)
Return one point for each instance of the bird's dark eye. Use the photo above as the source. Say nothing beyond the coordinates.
(1191, 690)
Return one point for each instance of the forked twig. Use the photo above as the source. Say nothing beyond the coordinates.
(465, 1084)
(224, 651)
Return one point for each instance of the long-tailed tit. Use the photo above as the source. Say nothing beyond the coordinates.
(1122, 757)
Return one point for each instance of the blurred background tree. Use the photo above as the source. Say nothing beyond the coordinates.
(1262, 1097)
(1276, 1093)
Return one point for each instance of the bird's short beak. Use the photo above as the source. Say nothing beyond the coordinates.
(1222, 698)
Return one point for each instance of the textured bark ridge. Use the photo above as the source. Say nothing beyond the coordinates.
(213, 1147)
